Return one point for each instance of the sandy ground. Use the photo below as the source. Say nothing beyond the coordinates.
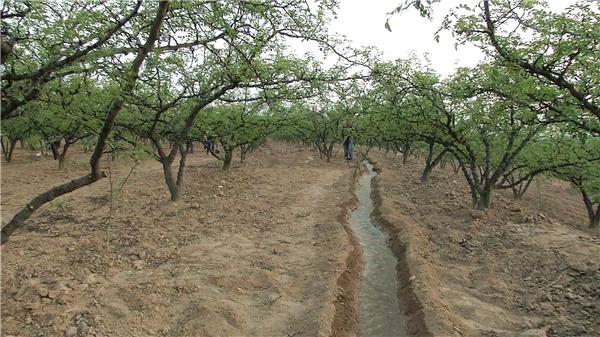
(258, 251)
(525, 268)
(266, 250)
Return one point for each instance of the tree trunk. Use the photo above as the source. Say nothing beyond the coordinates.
(405, 156)
(593, 215)
(227, 158)
(455, 166)
(42, 199)
(426, 173)
(4, 149)
(8, 153)
(520, 189)
(55, 148)
(243, 150)
(431, 163)
(183, 152)
(170, 179)
(484, 199)
(11, 149)
(329, 152)
(63, 156)
(595, 221)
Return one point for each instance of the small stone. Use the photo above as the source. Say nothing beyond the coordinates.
(28, 320)
(91, 279)
(42, 291)
(71, 331)
(138, 264)
(476, 214)
(83, 327)
(52, 294)
(412, 278)
(580, 267)
(546, 307)
(61, 300)
(33, 305)
(571, 296)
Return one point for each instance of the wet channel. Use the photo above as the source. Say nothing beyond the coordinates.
(378, 307)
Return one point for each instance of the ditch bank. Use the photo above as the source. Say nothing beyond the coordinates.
(345, 320)
(404, 240)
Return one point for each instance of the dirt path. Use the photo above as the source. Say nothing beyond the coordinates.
(255, 252)
(525, 268)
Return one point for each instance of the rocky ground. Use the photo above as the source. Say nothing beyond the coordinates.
(524, 268)
(257, 251)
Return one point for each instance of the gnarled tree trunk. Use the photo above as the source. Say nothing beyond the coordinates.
(431, 162)
(228, 156)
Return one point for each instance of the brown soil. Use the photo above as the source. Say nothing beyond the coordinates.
(263, 250)
(524, 268)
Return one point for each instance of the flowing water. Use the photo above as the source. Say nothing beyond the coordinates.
(378, 307)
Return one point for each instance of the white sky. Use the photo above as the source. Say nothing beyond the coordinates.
(362, 21)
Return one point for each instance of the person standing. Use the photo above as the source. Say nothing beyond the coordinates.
(348, 148)
(209, 145)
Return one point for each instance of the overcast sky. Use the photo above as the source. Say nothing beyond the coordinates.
(363, 22)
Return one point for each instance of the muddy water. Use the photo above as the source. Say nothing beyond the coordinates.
(378, 308)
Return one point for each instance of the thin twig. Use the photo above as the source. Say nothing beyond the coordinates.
(110, 214)
(128, 175)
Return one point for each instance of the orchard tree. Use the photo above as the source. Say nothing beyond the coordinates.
(484, 131)
(554, 150)
(398, 99)
(13, 131)
(67, 112)
(583, 152)
(557, 50)
(128, 81)
(244, 126)
(322, 125)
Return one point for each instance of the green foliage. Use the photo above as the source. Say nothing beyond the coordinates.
(223, 70)
(557, 51)
(57, 205)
